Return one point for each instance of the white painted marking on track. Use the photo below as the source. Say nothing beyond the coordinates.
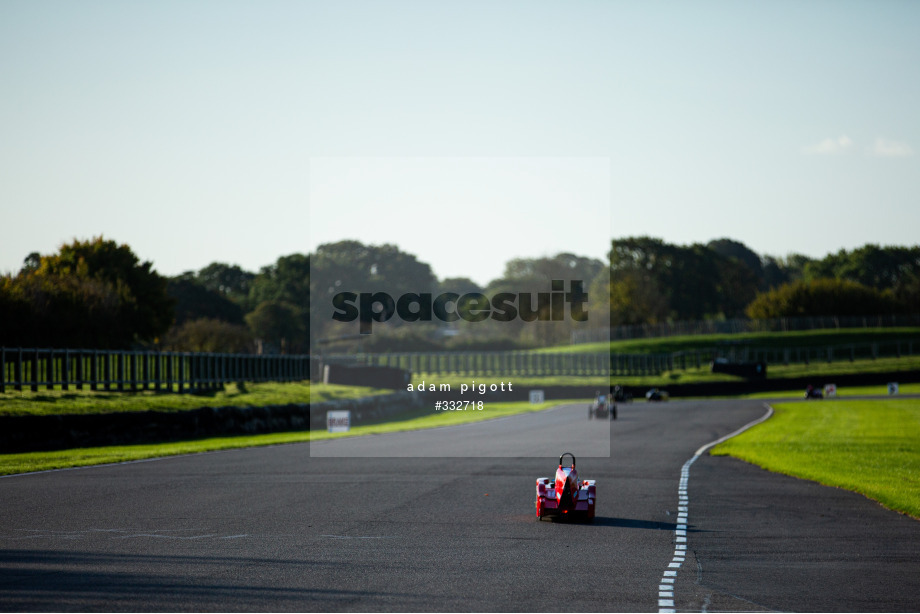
(683, 508)
(162, 536)
(357, 536)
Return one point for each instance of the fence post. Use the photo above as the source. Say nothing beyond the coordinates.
(34, 370)
(65, 371)
(120, 368)
(93, 370)
(18, 385)
(107, 369)
(81, 369)
(145, 370)
(49, 370)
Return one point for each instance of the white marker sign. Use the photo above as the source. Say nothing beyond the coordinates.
(893, 388)
(536, 396)
(830, 390)
(338, 421)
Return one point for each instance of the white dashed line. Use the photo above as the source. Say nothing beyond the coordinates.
(666, 585)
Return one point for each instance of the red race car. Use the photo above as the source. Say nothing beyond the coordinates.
(566, 496)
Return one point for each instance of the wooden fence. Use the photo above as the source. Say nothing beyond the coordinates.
(824, 353)
(614, 365)
(33, 369)
(30, 368)
(507, 364)
(739, 326)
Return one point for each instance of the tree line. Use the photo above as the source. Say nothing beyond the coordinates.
(653, 281)
(99, 294)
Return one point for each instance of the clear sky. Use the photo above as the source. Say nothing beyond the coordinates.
(217, 131)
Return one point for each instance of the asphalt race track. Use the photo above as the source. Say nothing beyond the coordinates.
(345, 530)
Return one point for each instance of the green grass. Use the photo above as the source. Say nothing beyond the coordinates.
(81, 457)
(845, 392)
(867, 446)
(822, 372)
(521, 382)
(58, 402)
(419, 419)
(792, 339)
(828, 369)
(50, 402)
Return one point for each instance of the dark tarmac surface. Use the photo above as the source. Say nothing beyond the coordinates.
(278, 529)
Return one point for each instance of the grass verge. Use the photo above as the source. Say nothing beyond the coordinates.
(822, 373)
(791, 339)
(82, 457)
(59, 402)
(455, 381)
(421, 419)
(845, 392)
(867, 446)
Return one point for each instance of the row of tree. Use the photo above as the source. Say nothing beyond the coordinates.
(98, 293)
(653, 281)
(94, 294)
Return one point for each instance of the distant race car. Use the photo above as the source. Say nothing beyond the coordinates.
(603, 407)
(620, 395)
(656, 395)
(813, 393)
(566, 496)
